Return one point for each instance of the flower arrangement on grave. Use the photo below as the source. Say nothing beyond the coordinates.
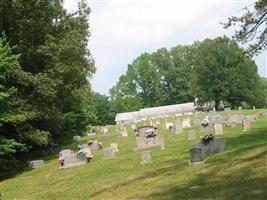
(207, 138)
(205, 122)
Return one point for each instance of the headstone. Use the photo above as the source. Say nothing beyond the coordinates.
(221, 106)
(239, 107)
(246, 125)
(168, 124)
(235, 119)
(66, 152)
(178, 127)
(216, 119)
(114, 146)
(95, 147)
(227, 109)
(35, 164)
(172, 129)
(191, 135)
(196, 156)
(254, 107)
(186, 123)
(264, 114)
(133, 126)
(109, 153)
(208, 128)
(77, 138)
(217, 145)
(218, 129)
(73, 160)
(91, 134)
(146, 157)
(145, 143)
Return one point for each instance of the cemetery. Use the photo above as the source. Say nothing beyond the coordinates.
(172, 158)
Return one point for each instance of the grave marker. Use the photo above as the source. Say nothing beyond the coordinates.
(218, 129)
(246, 125)
(34, 164)
(191, 135)
(186, 123)
(109, 153)
(114, 146)
(146, 157)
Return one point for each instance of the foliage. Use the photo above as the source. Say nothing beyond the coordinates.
(159, 78)
(223, 72)
(253, 27)
(45, 92)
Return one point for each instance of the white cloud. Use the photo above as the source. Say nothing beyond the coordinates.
(121, 30)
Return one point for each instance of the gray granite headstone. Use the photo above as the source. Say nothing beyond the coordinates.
(235, 119)
(146, 157)
(217, 119)
(109, 153)
(196, 155)
(73, 160)
(77, 138)
(217, 145)
(35, 164)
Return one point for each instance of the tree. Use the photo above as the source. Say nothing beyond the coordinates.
(222, 71)
(253, 27)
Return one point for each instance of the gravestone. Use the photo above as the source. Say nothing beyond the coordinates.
(253, 107)
(91, 134)
(239, 107)
(66, 152)
(95, 147)
(208, 128)
(35, 164)
(178, 127)
(235, 119)
(217, 145)
(77, 138)
(246, 125)
(196, 156)
(109, 153)
(114, 146)
(145, 143)
(168, 124)
(250, 117)
(122, 134)
(146, 157)
(172, 129)
(186, 123)
(73, 160)
(191, 135)
(264, 114)
(218, 129)
(216, 119)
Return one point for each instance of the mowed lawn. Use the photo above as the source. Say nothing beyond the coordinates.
(238, 173)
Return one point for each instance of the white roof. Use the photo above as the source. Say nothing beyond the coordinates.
(156, 111)
(127, 116)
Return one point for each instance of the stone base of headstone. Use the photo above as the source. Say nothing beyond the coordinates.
(195, 163)
(73, 165)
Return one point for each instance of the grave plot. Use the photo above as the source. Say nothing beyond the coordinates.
(35, 164)
(71, 159)
(146, 143)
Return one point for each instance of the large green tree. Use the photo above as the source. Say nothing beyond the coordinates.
(222, 71)
(52, 87)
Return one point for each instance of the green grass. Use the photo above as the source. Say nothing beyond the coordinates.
(238, 173)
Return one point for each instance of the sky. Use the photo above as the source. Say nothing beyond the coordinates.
(123, 29)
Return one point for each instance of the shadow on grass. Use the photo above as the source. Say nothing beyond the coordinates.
(237, 183)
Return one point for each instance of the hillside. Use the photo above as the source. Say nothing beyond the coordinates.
(238, 173)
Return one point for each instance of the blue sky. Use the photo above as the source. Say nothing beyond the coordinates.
(123, 29)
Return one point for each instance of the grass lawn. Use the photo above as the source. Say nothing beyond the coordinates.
(238, 173)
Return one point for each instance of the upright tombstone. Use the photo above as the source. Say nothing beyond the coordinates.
(105, 137)
(186, 123)
(109, 153)
(133, 126)
(178, 127)
(71, 159)
(191, 135)
(146, 158)
(235, 119)
(246, 125)
(196, 156)
(105, 129)
(239, 107)
(114, 146)
(34, 164)
(217, 119)
(168, 125)
(218, 129)
(217, 145)
(146, 143)
(122, 134)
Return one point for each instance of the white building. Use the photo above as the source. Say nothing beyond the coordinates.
(154, 112)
